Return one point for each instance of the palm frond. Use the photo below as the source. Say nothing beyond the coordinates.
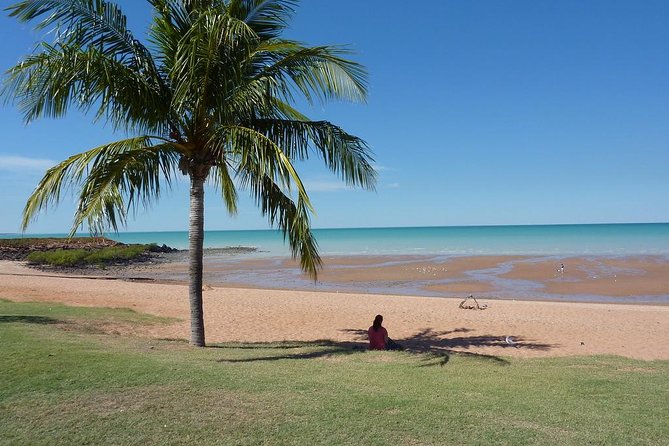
(267, 18)
(168, 26)
(290, 217)
(346, 155)
(91, 22)
(47, 83)
(207, 62)
(56, 179)
(134, 174)
(264, 169)
(172, 20)
(108, 175)
(252, 151)
(221, 177)
(284, 110)
(319, 72)
(243, 103)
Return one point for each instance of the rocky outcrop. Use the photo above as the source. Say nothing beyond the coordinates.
(19, 248)
(163, 249)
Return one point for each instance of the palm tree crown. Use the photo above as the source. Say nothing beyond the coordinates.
(209, 96)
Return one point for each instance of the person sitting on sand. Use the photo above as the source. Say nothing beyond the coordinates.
(378, 335)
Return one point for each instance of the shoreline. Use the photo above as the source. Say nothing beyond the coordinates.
(209, 286)
(534, 328)
(629, 279)
(638, 279)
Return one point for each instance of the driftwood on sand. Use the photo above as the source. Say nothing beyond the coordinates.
(469, 306)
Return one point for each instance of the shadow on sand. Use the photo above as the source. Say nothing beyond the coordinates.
(436, 346)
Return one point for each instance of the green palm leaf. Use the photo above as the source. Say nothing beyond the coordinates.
(46, 84)
(95, 23)
(112, 177)
(267, 18)
(344, 154)
(292, 218)
(317, 72)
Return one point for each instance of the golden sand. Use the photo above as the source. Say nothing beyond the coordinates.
(505, 328)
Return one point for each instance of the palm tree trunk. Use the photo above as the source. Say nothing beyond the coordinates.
(195, 254)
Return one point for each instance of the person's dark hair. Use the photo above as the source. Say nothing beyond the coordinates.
(378, 320)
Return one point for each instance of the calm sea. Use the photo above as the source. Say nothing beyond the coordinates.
(593, 239)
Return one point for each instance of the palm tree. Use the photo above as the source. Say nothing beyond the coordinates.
(209, 96)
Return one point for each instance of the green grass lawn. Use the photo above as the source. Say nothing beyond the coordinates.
(65, 380)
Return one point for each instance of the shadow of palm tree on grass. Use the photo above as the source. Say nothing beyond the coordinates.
(318, 349)
(42, 320)
(436, 346)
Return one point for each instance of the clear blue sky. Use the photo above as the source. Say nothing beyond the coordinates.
(479, 113)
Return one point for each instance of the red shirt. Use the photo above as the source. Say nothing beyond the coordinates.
(377, 338)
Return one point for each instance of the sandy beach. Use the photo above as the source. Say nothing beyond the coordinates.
(518, 328)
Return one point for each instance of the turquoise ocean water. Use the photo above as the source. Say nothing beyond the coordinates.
(592, 239)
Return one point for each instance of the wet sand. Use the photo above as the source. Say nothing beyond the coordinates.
(639, 279)
(519, 328)
(630, 277)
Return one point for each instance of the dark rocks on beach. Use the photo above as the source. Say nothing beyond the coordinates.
(14, 254)
(19, 248)
(164, 249)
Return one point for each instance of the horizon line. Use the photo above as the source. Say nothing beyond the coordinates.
(358, 227)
